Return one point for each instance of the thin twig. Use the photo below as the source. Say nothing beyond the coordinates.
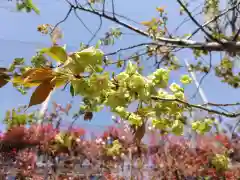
(238, 32)
(235, 127)
(113, 9)
(130, 47)
(214, 19)
(236, 35)
(78, 17)
(223, 105)
(230, 115)
(97, 31)
(103, 9)
(188, 19)
(62, 21)
(203, 77)
(197, 23)
(120, 16)
(173, 42)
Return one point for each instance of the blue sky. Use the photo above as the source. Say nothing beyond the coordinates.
(19, 38)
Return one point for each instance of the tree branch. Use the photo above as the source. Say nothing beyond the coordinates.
(230, 115)
(78, 17)
(204, 76)
(96, 32)
(222, 105)
(235, 127)
(65, 18)
(238, 32)
(214, 19)
(131, 47)
(229, 46)
(113, 9)
(185, 20)
(197, 23)
(103, 9)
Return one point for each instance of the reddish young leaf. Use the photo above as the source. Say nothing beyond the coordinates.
(41, 93)
(4, 78)
(88, 116)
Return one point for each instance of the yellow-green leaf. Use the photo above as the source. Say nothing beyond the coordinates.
(18, 80)
(37, 74)
(57, 53)
(59, 82)
(30, 5)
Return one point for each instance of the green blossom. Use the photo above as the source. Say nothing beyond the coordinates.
(220, 162)
(160, 78)
(175, 87)
(185, 79)
(161, 124)
(135, 119)
(115, 149)
(177, 127)
(179, 95)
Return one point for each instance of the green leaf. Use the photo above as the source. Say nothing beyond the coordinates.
(72, 90)
(19, 61)
(65, 47)
(98, 44)
(21, 90)
(177, 128)
(119, 64)
(186, 36)
(57, 53)
(99, 69)
(20, 7)
(21, 119)
(30, 5)
(185, 79)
